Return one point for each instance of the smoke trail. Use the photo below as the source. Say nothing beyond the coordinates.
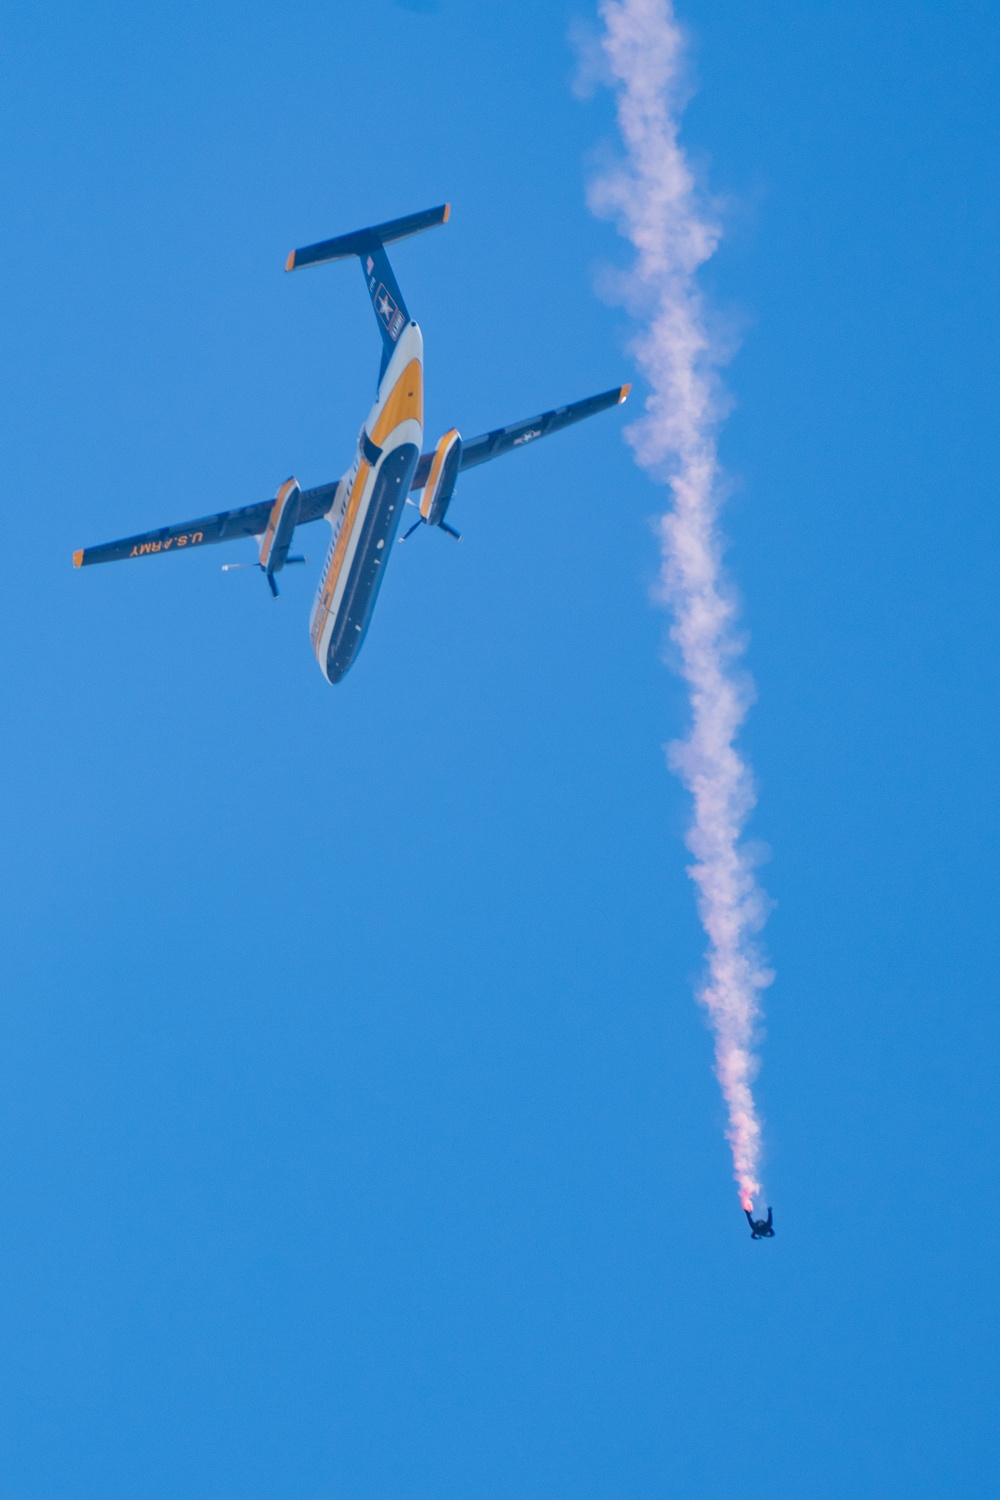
(652, 196)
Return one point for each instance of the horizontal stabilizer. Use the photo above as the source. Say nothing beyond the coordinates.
(227, 526)
(478, 450)
(362, 240)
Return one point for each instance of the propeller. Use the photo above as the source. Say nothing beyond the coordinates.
(441, 526)
(235, 568)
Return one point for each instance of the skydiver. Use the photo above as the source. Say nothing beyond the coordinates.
(760, 1229)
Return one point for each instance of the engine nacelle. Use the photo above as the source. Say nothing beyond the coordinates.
(440, 484)
(277, 538)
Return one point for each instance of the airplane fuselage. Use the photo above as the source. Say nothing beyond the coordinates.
(367, 508)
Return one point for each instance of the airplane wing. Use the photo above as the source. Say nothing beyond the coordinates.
(478, 450)
(227, 526)
(251, 520)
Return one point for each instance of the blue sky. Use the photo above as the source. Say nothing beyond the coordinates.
(358, 1131)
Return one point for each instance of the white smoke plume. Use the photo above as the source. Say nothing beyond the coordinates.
(653, 197)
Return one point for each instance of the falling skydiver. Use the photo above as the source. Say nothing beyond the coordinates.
(761, 1229)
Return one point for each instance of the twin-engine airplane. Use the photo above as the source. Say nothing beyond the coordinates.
(365, 507)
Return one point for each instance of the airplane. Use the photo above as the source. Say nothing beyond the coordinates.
(365, 507)
(761, 1229)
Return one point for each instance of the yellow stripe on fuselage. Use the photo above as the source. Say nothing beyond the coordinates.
(406, 399)
(337, 560)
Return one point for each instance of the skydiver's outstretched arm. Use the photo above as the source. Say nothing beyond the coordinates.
(749, 1217)
(770, 1217)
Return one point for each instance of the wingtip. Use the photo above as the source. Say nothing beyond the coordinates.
(290, 262)
(623, 397)
(78, 558)
(447, 213)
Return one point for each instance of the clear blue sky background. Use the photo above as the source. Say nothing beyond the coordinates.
(358, 1136)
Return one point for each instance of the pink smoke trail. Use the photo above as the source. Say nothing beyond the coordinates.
(652, 196)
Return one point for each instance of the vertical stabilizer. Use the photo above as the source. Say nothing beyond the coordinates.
(369, 246)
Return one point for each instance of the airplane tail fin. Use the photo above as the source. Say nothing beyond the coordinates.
(369, 246)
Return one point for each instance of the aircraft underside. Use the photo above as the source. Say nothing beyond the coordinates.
(366, 507)
(378, 533)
